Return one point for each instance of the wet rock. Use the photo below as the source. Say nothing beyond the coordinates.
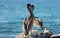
(55, 36)
(33, 34)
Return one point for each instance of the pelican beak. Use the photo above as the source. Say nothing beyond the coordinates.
(41, 26)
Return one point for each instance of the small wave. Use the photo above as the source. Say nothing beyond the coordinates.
(9, 32)
(9, 22)
(3, 21)
(13, 22)
(7, 36)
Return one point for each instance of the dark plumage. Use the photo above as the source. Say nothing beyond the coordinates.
(31, 20)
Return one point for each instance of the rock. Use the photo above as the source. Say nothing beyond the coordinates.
(32, 34)
(55, 36)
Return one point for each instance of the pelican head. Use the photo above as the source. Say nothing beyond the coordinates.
(30, 7)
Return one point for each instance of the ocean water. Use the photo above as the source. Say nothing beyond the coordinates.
(12, 13)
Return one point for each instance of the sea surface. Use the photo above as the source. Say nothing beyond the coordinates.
(12, 13)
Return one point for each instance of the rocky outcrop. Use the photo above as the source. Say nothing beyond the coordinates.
(33, 34)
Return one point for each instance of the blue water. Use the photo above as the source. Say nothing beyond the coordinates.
(12, 13)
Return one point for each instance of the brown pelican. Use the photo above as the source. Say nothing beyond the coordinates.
(31, 20)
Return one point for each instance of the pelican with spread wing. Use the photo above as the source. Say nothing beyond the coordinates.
(31, 20)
